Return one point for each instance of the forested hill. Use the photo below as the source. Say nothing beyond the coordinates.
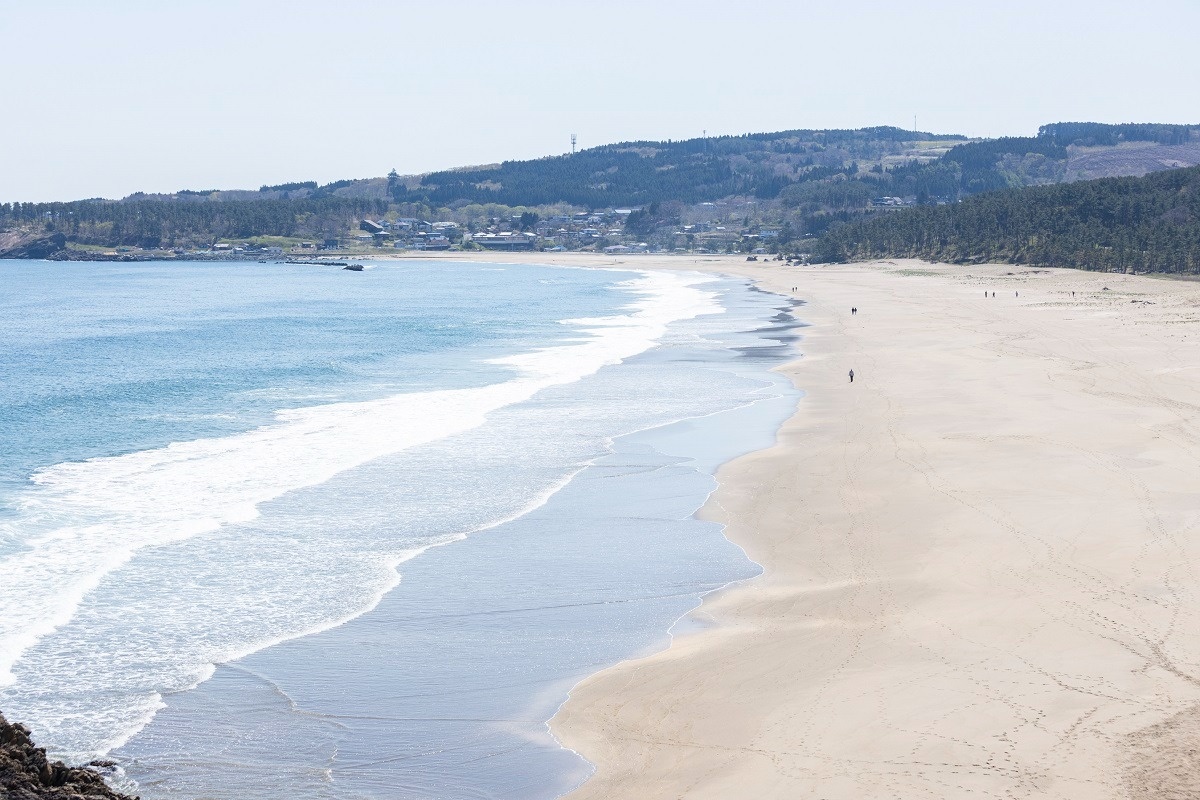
(690, 171)
(798, 182)
(1150, 223)
(879, 161)
(883, 160)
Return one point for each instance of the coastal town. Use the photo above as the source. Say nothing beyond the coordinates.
(705, 228)
(607, 230)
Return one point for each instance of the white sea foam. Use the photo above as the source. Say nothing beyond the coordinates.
(83, 520)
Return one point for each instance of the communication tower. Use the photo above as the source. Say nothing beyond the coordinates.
(573, 137)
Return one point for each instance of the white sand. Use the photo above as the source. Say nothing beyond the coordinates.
(982, 558)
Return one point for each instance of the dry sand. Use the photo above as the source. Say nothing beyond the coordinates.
(982, 558)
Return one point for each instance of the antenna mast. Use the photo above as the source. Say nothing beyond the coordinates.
(573, 144)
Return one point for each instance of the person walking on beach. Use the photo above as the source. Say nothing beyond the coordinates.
(852, 376)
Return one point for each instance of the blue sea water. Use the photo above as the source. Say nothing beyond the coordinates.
(357, 534)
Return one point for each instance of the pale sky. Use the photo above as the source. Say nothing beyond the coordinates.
(108, 98)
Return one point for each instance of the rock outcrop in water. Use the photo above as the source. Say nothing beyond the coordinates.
(26, 773)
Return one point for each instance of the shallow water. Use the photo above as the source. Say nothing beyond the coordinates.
(210, 526)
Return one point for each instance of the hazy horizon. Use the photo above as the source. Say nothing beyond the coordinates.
(136, 97)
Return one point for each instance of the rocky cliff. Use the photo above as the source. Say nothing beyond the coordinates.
(20, 244)
(26, 773)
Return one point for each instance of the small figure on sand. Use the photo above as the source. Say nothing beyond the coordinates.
(854, 310)
(852, 376)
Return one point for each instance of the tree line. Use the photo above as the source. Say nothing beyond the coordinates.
(1097, 133)
(157, 223)
(1141, 224)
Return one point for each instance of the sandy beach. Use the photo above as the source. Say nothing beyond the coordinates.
(980, 558)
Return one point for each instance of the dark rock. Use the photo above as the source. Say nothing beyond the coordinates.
(26, 773)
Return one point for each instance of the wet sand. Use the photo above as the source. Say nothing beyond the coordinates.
(982, 558)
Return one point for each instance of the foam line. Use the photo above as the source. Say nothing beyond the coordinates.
(80, 521)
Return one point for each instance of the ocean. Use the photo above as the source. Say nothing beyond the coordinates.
(285, 530)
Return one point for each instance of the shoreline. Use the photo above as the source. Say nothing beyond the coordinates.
(678, 550)
(977, 558)
(978, 565)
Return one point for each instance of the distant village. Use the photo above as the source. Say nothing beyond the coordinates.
(592, 231)
(726, 226)
(605, 231)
